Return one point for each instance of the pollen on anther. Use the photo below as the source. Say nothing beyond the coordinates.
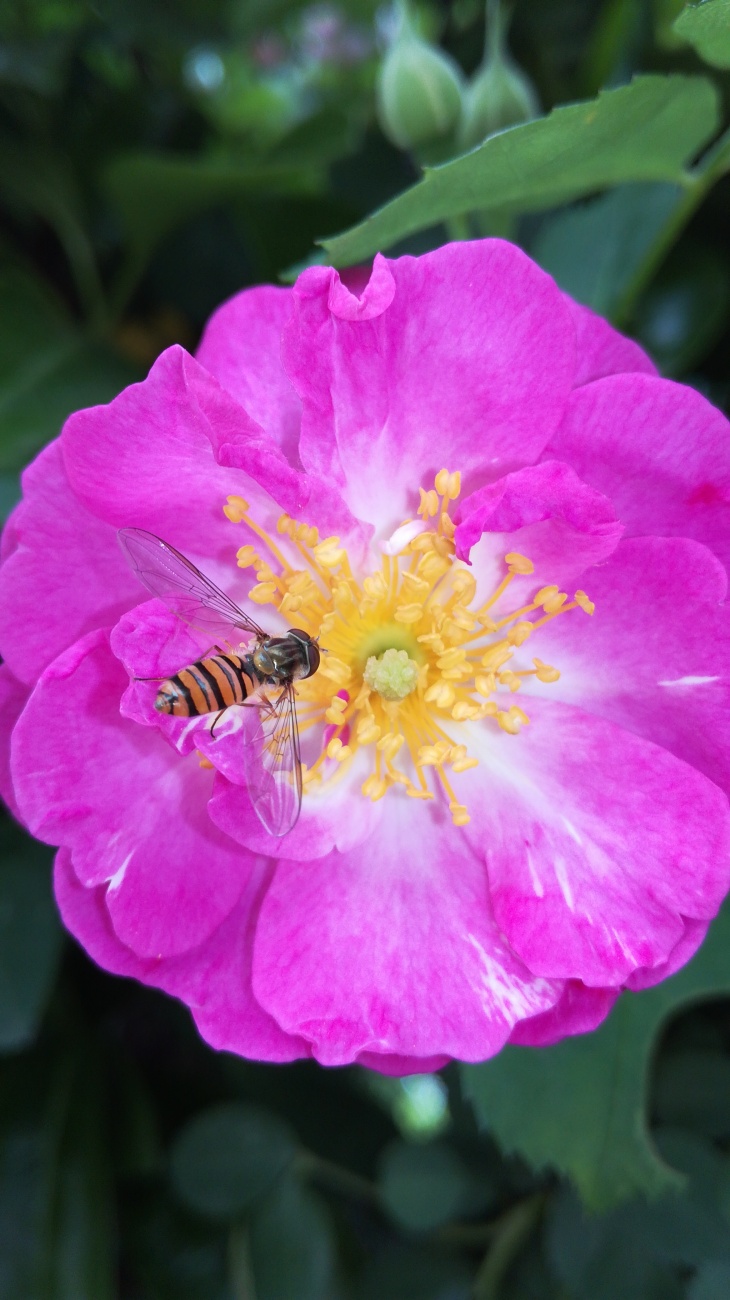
(235, 509)
(582, 600)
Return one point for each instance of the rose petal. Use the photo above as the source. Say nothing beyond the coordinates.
(659, 450)
(131, 811)
(214, 980)
(468, 366)
(601, 349)
(391, 948)
(655, 656)
(598, 843)
(64, 573)
(241, 346)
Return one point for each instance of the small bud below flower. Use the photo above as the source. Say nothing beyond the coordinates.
(500, 94)
(419, 89)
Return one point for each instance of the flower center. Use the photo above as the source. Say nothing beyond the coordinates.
(408, 654)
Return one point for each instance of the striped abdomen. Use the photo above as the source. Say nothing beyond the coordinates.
(207, 686)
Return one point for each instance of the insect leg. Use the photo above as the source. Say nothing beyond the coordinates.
(216, 720)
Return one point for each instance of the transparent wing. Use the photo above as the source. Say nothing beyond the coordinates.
(272, 763)
(185, 590)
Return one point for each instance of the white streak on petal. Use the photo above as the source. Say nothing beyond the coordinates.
(534, 875)
(689, 681)
(563, 880)
(402, 536)
(116, 880)
(511, 998)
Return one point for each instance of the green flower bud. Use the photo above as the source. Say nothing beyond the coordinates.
(419, 90)
(500, 93)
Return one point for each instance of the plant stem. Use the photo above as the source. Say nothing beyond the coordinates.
(239, 1264)
(511, 1231)
(337, 1179)
(698, 183)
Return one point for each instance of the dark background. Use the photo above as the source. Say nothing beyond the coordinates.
(155, 158)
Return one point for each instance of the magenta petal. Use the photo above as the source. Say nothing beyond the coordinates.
(602, 350)
(598, 844)
(241, 346)
(540, 493)
(468, 366)
(214, 980)
(13, 699)
(166, 453)
(143, 830)
(391, 948)
(655, 657)
(63, 573)
(398, 1066)
(579, 1010)
(682, 952)
(659, 450)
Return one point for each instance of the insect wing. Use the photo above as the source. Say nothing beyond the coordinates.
(185, 590)
(272, 763)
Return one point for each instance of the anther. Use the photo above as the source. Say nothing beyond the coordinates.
(337, 750)
(512, 720)
(263, 593)
(585, 604)
(519, 563)
(442, 694)
(544, 672)
(235, 509)
(496, 655)
(329, 553)
(246, 557)
(518, 634)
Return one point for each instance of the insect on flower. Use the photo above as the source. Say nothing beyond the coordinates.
(244, 673)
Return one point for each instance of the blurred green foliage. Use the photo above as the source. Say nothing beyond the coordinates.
(156, 156)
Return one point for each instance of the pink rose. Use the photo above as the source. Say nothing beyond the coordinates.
(514, 806)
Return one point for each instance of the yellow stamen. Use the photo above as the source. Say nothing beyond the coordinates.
(409, 658)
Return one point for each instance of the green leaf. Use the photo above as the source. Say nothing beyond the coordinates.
(56, 1209)
(712, 1282)
(173, 1253)
(685, 310)
(706, 26)
(422, 1186)
(591, 1119)
(155, 193)
(81, 1219)
(415, 1273)
(290, 1244)
(30, 937)
(624, 1252)
(47, 368)
(229, 1156)
(593, 251)
(647, 131)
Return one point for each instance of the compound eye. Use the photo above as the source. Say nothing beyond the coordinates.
(314, 658)
(300, 635)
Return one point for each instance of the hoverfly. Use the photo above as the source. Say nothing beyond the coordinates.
(270, 750)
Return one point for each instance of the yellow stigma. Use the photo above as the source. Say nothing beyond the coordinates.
(412, 651)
